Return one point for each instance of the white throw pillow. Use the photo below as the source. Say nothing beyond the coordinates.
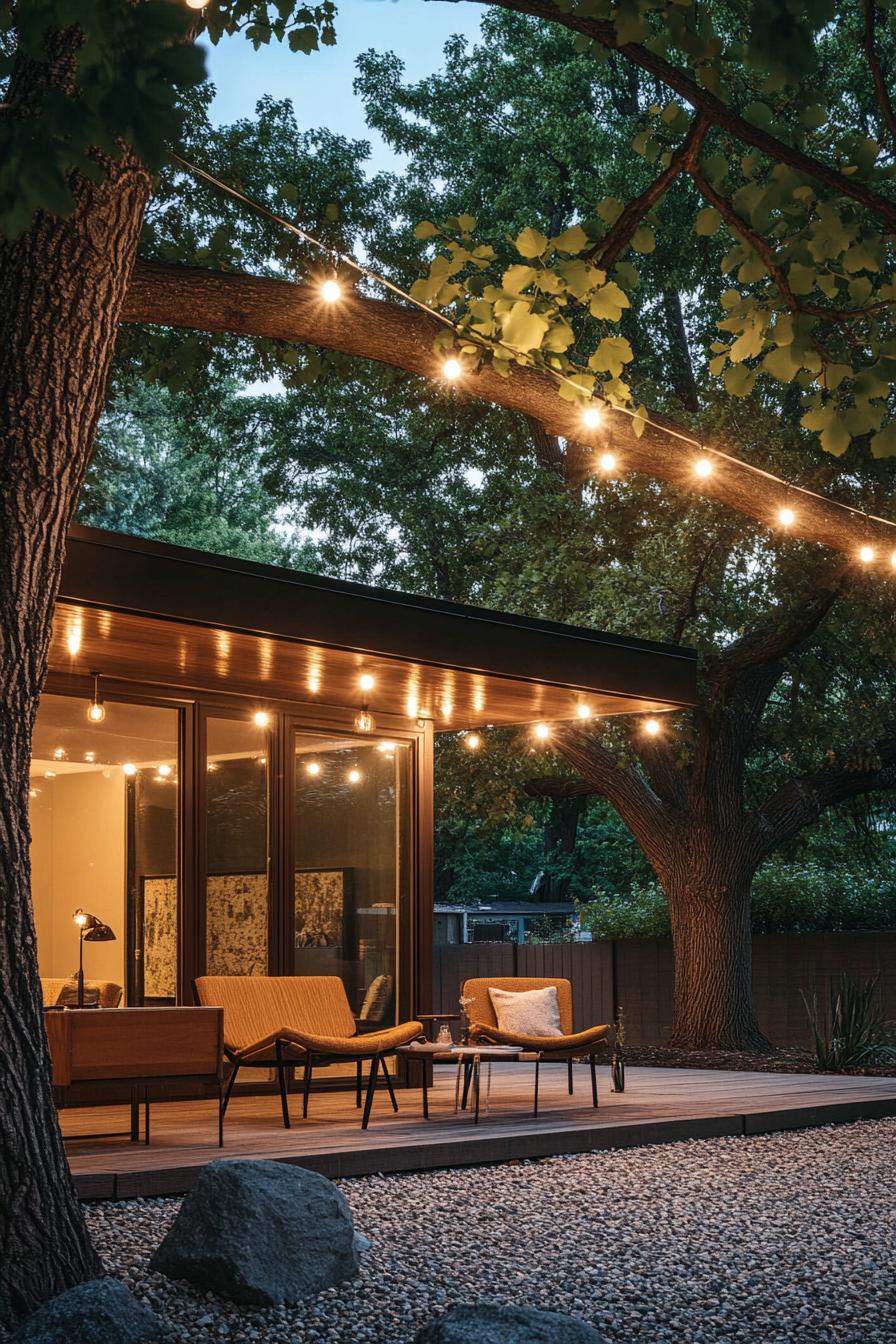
(528, 1012)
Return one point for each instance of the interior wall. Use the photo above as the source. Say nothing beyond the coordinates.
(78, 859)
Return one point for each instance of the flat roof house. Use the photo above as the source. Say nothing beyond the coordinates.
(233, 763)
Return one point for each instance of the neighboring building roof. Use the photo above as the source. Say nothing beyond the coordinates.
(498, 908)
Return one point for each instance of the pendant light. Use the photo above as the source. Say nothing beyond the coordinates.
(96, 710)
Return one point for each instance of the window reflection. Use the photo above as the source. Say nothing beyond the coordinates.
(351, 867)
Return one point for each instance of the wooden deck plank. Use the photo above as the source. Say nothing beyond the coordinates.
(659, 1105)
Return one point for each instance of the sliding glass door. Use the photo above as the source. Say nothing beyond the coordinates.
(351, 831)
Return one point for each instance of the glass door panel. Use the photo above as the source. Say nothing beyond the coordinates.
(351, 880)
(236, 888)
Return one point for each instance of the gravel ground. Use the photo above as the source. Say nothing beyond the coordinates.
(779, 1239)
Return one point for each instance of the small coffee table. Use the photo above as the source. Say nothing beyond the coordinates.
(469, 1059)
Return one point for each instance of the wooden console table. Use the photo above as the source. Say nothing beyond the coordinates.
(141, 1048)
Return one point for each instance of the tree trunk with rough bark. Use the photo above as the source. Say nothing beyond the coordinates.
(62, 285)
(707, 881)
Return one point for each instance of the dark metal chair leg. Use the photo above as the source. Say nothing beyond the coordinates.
(535, 1105)
(593, 1083)
(146, 1116)
(230, 1082)
(135, 1116)
(220, 1114)
(569, 1075)
(468, 1073)
(281, 1077)
(358, 1077)
(306, 1086)
(476, 1074)
(371, 1088)
(424, 1086)
(389, 1085)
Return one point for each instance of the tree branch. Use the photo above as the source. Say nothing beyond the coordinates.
(799, 802)
(607, 251)
(877, 74)
(205, 300)
(712, 107)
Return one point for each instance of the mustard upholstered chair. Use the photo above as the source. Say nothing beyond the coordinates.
(280, 1021)
(568, 1046)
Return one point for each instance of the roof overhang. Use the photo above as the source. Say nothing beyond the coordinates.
(155, 613)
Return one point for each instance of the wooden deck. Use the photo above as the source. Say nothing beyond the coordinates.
(658, 1106)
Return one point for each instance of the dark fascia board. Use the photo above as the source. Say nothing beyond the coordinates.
(123, 573)
(529, 909)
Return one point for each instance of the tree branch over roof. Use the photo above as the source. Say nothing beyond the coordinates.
(717, 112)
(206, 300)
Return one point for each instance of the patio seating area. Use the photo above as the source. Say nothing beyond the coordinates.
(658, 1105)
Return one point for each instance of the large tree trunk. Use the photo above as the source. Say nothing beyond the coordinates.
(707, 885)
(62, 286)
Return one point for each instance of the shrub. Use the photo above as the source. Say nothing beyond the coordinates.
(850, 1032)
(812, 897)
(642, 914)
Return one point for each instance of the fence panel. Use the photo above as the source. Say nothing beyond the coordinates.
(588, 967)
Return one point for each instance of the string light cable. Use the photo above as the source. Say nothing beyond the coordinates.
(706, 455)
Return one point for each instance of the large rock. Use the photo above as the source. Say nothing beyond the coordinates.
(99, 1312)
(261, 1233)
(495, 1323)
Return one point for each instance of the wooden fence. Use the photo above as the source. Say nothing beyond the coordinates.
(638, 973)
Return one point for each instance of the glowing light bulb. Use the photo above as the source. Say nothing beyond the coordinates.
(592, 416)
(583, 712)
(130, 769)
(354, 776)
(59, 754)
(261, 718)
(90, 757)
(703, 467)
(80, 919)
(196, 4)
(472, 741)
(49, 774)
(893, 559)
(607, 461)
(331, 291)
(96, 711)
(164, 771)
(366, 681)
(542, 731)
(652, 727)
(364, 721)
(312, 768)
(866, 554)
(786, 517)
(451, 369)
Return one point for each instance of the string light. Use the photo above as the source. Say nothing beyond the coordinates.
(364, 721)
(49, 774)
(366, 681)
(196, 4)
(452, 368)
(652, 727)
(59, 754)
(703, 467)
(472, 741)
(130, 769)
(592, 416)
(866, 554)
(96, 710)
(164, 771)
(583, 712)
(354, 776)
(312, 768)
(261, 718)
(542, 731)
(331, 291)
(607, 462)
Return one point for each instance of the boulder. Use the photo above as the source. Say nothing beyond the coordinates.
(260, 1233)
(101, 1311)
(497, 1323)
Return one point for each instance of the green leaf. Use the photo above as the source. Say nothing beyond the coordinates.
(517, 278)
(883, 444)
(572, 240)
(522, 328)
(639, 421)
(531, 243)
(781, 364)
(644, 240)
(610, 356)
(467, 223)
(426, 229)
(801, 278)
(707, 222)
(608, 302)
(739, 380)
